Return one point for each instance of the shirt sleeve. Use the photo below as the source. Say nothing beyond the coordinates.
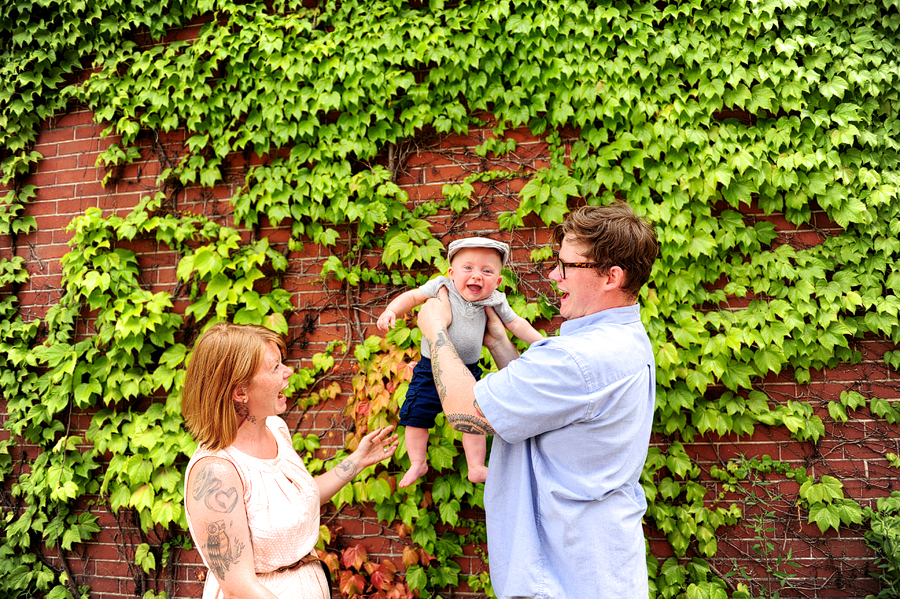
(543, 390)
(431, 288)
(501, 306)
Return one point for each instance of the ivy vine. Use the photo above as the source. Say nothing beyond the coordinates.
(712, 119)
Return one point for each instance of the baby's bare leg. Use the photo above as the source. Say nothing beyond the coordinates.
(476, 452)
(417, 448)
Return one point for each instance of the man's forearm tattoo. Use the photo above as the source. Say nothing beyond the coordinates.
(476, 425)
(440, 340)
(467, 423)
(346, 470)
(209, 488)
(221, 550)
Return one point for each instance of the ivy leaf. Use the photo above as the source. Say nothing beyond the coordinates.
(449, 511)
(416, 578)
(850, 512)
(834, 88)
(440, 489)
(354, 557)
(679, 464)
(441, 456)
(737, 377)
(825, 516)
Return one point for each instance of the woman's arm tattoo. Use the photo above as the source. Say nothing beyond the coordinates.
(221, 549)
(346, 470)
(210, 489)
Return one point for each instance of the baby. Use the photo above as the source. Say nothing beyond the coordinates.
(475, 265)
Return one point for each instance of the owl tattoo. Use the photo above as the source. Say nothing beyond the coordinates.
(220, 551)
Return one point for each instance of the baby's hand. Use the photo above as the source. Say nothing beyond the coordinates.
(386, 321)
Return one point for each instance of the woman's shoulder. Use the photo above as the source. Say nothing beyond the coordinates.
(212, 466)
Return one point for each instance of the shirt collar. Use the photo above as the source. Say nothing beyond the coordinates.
(624, 315)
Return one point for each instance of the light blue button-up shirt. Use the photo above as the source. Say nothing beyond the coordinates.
(563, 500)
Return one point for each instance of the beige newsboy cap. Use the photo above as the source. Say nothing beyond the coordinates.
(479, 242)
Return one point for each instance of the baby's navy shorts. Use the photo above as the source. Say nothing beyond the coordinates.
(422, 400)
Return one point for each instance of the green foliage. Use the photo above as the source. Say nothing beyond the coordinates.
(709, 118)
(883, 537)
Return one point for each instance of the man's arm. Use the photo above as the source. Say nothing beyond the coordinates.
(454, 382)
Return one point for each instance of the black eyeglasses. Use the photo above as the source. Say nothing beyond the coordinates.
(562, 266)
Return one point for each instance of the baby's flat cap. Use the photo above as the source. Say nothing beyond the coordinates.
(479, 242)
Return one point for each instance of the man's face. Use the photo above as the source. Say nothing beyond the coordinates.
(583, 289)
(475, 272)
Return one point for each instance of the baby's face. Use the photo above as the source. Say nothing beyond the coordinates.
(475, 272)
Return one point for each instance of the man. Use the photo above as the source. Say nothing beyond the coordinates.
(572, 420)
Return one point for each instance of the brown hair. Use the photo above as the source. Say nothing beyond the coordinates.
(225, 357)
(613, 236)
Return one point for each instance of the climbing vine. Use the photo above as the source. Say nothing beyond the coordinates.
(714, 120)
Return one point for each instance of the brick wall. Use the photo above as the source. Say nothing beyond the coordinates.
(830, 565)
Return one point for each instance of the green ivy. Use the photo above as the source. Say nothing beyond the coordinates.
(709, 118)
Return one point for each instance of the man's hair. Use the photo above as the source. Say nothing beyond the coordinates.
(612, 236)
(225, 357)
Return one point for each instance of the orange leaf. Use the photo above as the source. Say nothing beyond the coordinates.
(354, 557)
(351, 584)
(331, 560)
(380, 581)
(410, 557)
(389, 567)
(400, 591)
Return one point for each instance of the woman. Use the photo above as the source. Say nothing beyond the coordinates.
(252, 508)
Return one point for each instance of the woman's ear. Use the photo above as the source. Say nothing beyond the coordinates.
(240, 394)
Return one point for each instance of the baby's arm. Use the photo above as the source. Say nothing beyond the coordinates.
(522, 329)
(401, 305)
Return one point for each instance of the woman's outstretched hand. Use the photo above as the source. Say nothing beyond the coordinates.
(377, 446)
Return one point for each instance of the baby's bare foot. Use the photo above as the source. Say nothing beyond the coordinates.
(416, 470)
(478, 474)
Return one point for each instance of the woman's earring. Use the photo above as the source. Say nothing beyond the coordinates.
(245, 399)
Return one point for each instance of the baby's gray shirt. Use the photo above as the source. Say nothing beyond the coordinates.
(469, 320)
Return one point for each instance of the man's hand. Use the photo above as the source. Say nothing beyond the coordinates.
(497, 341)
(435, 315)
(495, 332)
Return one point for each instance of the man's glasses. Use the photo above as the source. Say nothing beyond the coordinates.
(563, 265)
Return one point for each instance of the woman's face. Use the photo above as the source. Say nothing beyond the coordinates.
(265, 395)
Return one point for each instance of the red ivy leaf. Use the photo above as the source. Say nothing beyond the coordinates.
(389, 567)
(354, 557)
(410, 557)
(400, 591)
(351, 584)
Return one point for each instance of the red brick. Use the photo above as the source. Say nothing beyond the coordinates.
(73, 119)
(78, 146)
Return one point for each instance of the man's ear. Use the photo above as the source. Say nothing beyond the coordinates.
(616, 277)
